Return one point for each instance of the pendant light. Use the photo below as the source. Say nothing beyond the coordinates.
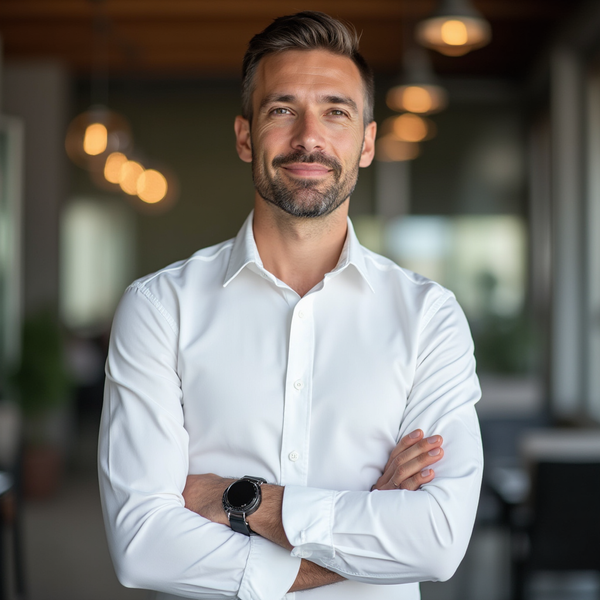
(418, 90)
(100, 139)
(409, 128)
(95, 134)
(454, 29)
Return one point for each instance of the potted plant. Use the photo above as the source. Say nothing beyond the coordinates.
(43, 387)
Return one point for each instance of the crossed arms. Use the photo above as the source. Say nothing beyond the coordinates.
(407, 469)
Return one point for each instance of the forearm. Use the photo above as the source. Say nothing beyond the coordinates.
(312, 576)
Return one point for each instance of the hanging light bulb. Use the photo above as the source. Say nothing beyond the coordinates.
(95, 134)
(454, 29)
(129, 175)
(152, 186)
(156, 190)
(112, 167)
(409, 128)
(418, 90)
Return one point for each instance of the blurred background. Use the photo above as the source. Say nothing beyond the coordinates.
(117, 158)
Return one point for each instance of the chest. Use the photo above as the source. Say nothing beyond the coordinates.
(267, 377)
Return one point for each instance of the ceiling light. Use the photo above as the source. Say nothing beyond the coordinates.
(409, 128)
(95, 134)
(129, 175)
(418, 90)
(152, 186)
(454, 29)
(112, 167)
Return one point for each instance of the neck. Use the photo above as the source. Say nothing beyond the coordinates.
(298, 251)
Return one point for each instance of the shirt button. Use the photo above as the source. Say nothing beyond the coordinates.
(298, 384)
(293, 456)
(301, 314)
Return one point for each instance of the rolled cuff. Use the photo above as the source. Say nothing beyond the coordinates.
(270, 571)
(307, 515)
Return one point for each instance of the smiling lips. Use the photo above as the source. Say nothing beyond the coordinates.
(307, 169)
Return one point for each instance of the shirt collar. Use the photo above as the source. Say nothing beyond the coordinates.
(245, 253)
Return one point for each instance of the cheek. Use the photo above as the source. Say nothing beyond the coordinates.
(268, 142)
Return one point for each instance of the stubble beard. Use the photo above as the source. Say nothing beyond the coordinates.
(304, 198)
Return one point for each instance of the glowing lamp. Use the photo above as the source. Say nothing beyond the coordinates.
(417, 89)
(454, 29)
(417, 98)
(95, 134)
(409, 128)
(112, 167)
(129, 176)
(152, 186)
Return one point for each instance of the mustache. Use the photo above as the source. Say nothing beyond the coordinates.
(303, 157)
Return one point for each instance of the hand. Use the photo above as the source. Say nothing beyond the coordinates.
(203, 494)
(406, 468)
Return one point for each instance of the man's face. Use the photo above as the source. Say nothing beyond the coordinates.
(307, 138)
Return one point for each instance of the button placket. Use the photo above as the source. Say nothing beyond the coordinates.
(298, 396)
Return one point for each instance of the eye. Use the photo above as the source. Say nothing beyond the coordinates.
(280, 111)
(336, 112)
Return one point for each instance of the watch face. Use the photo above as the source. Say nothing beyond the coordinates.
(241, 493)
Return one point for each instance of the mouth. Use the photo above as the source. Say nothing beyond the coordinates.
(307, 169)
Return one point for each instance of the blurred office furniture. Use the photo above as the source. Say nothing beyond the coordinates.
(11, 502)
(552, 504)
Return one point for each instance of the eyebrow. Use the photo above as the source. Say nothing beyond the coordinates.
(327, 99)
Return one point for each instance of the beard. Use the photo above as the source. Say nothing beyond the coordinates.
(305, 198)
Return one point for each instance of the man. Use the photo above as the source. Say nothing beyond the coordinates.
(294, 356)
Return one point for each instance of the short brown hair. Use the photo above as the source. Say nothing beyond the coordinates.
(307, 30)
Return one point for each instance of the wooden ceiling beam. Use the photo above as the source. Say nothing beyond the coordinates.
(266, 9)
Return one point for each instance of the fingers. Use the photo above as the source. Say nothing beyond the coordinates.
(413, 474)
(411, 445)
(411, 449)
(406, 442)
(412, 483)
(409, 462)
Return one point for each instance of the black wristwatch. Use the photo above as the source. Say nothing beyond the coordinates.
(241, 499)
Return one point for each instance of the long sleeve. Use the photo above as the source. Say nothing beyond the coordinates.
(155, 542)
(395, 537)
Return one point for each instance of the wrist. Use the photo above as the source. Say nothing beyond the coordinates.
(266, 521)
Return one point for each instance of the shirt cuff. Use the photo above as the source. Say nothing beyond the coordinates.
(307, 515)
(270, 571)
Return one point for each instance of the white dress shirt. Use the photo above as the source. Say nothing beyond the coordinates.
(217, 366)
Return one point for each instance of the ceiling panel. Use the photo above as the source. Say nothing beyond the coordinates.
(208, 37)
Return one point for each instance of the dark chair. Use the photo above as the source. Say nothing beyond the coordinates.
(11, 497)
(561, 529)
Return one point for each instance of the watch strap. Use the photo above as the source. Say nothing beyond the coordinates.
(239, 524)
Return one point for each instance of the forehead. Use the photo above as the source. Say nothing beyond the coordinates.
(304, 72)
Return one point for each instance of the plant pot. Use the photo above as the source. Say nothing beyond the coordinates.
(43, 468)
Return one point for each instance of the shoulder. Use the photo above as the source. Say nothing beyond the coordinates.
(168, 288)
(417, 293)
(206, 264)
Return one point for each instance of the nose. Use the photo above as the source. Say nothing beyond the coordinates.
(308, 133)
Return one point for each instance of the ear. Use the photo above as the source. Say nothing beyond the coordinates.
(368, 150)
(243, 141)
